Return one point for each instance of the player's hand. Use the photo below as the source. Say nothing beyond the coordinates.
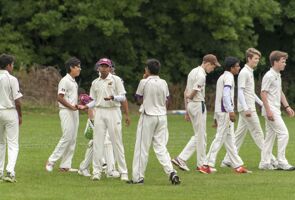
(82, 107)
(186, 117)
(127, 121)
(248, 113)
(74, 108)
(269, 116)
(109, 98)
(290, 112)
(232, 116)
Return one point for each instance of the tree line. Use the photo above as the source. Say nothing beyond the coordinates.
(178, 33)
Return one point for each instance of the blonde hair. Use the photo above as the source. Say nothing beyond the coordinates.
(251, 52)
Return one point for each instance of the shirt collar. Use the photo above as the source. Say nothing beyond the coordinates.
(275, 72)
(203, 70)
(107, 78)
(4, 71)
(153, 77)
(70, 77)
(249, 68)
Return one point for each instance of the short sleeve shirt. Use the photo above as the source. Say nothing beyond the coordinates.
(226, 79)
(69, 88)
(112, 85)
(155, 92)
(246, 81)
(272, 84)
(197, 81)
(9, 90)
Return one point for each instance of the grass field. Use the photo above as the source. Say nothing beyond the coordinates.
(40, 133)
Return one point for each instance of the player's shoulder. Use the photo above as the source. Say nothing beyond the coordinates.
(94, 81)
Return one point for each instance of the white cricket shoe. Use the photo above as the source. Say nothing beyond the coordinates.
(286, 167)
(180, 163)
(113, 174)
(266, 167)
(225, 164)
(124, 177)
(96, 177)
(84, 172)
(49, 166)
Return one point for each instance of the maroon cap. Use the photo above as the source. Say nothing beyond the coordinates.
(104, 61)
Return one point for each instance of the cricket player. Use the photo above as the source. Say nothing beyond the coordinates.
(69, 116)
(107, 93)
(197, 112)
(108, 160)
(10, 117)
(248, 118)
(272, 97)
(153, 92)
(225, 117)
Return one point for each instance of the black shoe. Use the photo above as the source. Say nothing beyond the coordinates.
(140, 182)
(175, 180)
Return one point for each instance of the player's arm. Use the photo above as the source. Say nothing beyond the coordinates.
(242, 100)
(269, 113)
(186, 116)
(19, 110)
(227, 103)
(60, 99)
(286, 105)
(126, 112)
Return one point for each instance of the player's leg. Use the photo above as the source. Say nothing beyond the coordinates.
(197, 118)
(99, 132)
(2, 144)
(114, 121)
(111, 170)
(85, 164)
(270, 136)
(159, 145)
(222, 130)
(145, 128)
(12, 131)
(66, 161)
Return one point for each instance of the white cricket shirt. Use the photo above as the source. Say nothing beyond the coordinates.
(196, 80)
(9, 90)
(226, 79)
(112, 85)
(69, 88)
(155, 92)
(246, 81)
(272, 84)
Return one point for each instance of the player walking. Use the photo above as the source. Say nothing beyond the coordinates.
(69, 117)
(153, 92)
(225, 117)
(10, 117)
(197, 112)
(248, 118)
(272, 97)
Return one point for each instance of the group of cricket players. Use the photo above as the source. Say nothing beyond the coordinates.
(105, 150)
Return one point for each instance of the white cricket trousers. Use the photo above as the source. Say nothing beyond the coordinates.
(198, 142)
(66, 146)
(253, 125)
(224, 135)
(108, 155)
(276, 128)
(150, 129)
(9, 132)
(108, 120)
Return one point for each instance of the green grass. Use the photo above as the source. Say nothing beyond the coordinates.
(40, 133)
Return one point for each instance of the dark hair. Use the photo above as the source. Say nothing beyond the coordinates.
(230, 62)
(153, 66)
(5, 60)
(71, 62)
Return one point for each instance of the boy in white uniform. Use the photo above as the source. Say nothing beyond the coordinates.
(10, 117)
(248, 118)
(225, 117)
(196, 109)
(152, 125)
(272, 97)
(69, 117)
(107, 93)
